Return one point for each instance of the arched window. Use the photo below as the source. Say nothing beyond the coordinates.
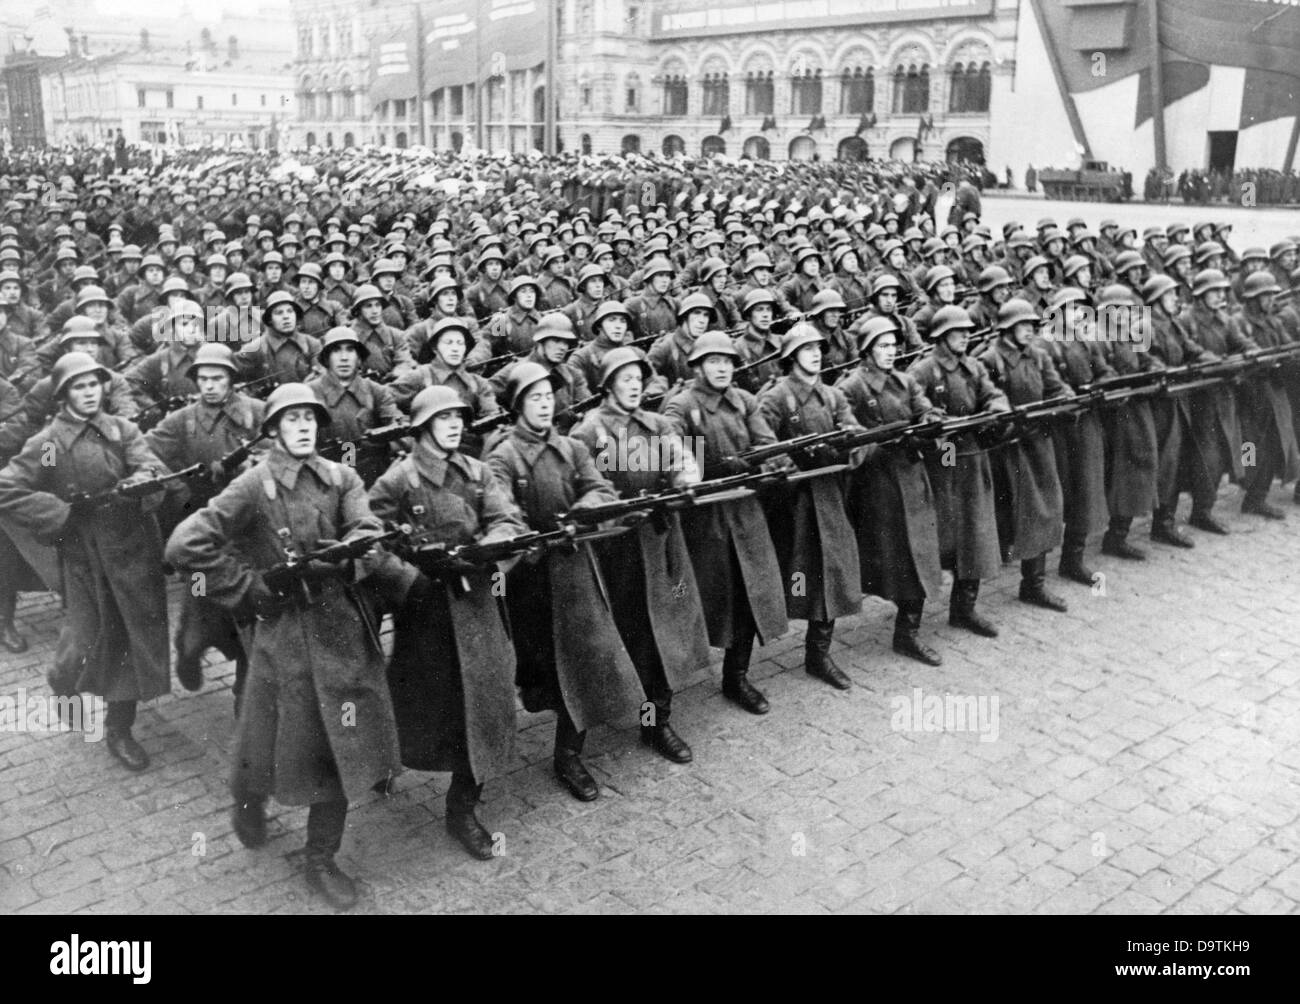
(400, 141)
(717, 94)
(348, 139)
(676, 93)
(673, 145)
(329, 140)
(970, 87)
(805, 85)
(632, 93)
(758, 148)
(347, 100)
(803, 148)
(712, 145)
(586, 144)
(857, 91)
(310, 139)
(760, 89)
(852, 148)
(631, 144)
(911, 89)
(326, 103)
(306, 99)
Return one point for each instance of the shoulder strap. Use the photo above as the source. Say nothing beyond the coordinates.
(412, 475)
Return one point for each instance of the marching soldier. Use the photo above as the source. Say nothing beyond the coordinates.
(165, 373)
(1076, 351)
(512, 331)
(1178, 462)
(552, 342)
(757, 345)
(450, 673)
(113, 642)
(282, 353)
(356, 404)
(1132, 449)
(1215, 424)
(212, 429)
(890, 501)
(810, 529)
(1265, 405)
(316, 725)
(657, 605)
(730, 547)
(1030, 509)
(959, 384)
(388, 355)
(569, 658)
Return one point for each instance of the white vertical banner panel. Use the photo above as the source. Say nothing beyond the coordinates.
(1227, 85)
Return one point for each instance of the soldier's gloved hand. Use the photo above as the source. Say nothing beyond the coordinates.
(779, 464)
(263, 599)
(279, 580)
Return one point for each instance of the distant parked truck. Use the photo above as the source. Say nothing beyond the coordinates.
(1095, 182)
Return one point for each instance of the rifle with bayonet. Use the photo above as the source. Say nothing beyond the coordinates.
(716, 490)
(134, 489)
(1194, 376)
(451, 564)
(332, 449)
(296, 570)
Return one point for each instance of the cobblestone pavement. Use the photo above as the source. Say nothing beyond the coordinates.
(1146, 759)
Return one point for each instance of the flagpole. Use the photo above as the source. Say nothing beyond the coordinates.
(419, 73)
(478, 79)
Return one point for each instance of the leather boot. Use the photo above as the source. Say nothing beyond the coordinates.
(248, 820)
(569, 767)
(129, 753)
(329, 881)
(961, 609)
(817, 661)
(1204, 520)
(1033, 575)
(1260, 507)
(735, 679)
(462, 822)
(189, 670)
(668, 744)
(1116, 545)
(1165, 530)
(906, 626)
(1072, 567)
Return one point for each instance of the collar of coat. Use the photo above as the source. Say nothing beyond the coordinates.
(442, 372)
(949, 362)
(432, 462)
(802, 389)
(333, 390)
(285, 468)
(712, 399)
(276, 341)
(236, 407)
(519, 315)
(612, 417)
(67, 428)
(1011, 352)
(531, 444)
(875, 378)
(559, 371)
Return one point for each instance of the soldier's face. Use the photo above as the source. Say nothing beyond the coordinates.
(386, 282)
(849, 262)
(9, 292)
(343, 361)
(451, 347)
(660, 282)
(448, 300)
(956, 340)
(97, 312)
(614, 328)
(84, 395)
(554, 349)
(130, 266)
(1288, 260)
(189, 332)
(718, 369)
(883, 351)
(1169, 302)
(1215, 299)
(897, 258)
(447, 428)
(697, 322)
(1041, 278)
(627, 387)
(809, 358)
(284, 318)
(946, 290)
(1022, 332)
(308, 288)
(337, 271)
(538, 405)
(1083, 277)
(526, 298)
(242, 298)
(273, 271)
(213, 383)
(296, 431)
(761, 316)
(372, 312)
(217, 274)
(492, 269)
(887, 300)
(90, 346)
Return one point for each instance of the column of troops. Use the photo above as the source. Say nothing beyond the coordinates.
(569, 456)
